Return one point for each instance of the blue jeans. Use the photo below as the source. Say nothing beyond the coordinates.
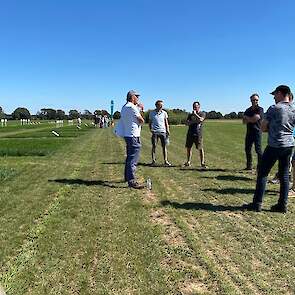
(133, 146)
(269, 157)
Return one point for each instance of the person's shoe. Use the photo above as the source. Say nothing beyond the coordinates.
(187, 164)
(248, 169)
(278, 208)
(153, 163)
(252, 207)
(166, 163)
(136, 185)
(204, 167)
(291, 193)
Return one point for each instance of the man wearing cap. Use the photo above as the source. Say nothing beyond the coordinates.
(159, 127)
(131, 121)
(253, 117)
(195, 134)
(279, 123)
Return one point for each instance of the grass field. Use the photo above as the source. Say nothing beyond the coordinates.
(69, 225)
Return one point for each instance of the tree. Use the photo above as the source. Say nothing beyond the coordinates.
(214, 115)
(74, 114)
(21, 113)
(47, 114)
(2, 115)
(60, 115)
(232, 115)
(117, 115)
(87, 115)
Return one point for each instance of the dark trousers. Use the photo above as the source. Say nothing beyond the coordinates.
(269, 157)
(133, 146)
(253, 137)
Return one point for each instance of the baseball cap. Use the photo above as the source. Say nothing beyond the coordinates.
(284, 89)
(132, 92)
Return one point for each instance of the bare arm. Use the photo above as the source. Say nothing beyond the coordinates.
(253, 119)
(140, 119)
(167, 126)
(264, 125)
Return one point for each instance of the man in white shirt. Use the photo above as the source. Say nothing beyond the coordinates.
(159, 127)
(131, 121)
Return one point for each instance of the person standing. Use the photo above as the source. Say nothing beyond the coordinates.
(131, 121)
(279, 123)
(253, 117)
(159, 127)
(195, 134)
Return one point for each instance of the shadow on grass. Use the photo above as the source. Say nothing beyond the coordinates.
(234, 191)
(112, 184)
(142, 164)
(229, 178)
(200, 206)
(206, 170)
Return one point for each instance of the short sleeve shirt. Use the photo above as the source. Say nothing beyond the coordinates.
(157, 120)
(250, 112)
(281, 118)
(129, 120)
(195, 129)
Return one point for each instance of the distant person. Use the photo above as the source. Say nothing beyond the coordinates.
(195, 134)
(279, 123)
(131, 121)
(159, 127)
(79, 121)
(253, 117)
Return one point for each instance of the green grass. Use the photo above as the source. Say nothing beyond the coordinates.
(69, 225)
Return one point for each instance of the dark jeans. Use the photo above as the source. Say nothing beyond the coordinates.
(253, 137)
(133, 146)
(269, 157)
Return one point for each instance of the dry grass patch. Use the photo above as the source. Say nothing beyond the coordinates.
(172, 234)
(193, 287)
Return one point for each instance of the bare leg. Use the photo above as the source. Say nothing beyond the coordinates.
(202, 157)
(189, 155)
(165, 154)
(154, 153)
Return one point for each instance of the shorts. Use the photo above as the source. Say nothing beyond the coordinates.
(194, 139)
(156, 136)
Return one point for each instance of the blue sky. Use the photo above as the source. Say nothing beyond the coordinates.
(81, 54)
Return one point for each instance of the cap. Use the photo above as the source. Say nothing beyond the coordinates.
(284, 89)
(132, 92)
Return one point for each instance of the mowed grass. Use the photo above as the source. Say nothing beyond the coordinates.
(69, 225)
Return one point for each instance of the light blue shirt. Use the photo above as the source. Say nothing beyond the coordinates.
(157, 120)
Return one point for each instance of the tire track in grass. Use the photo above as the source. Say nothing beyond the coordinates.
(27, 252)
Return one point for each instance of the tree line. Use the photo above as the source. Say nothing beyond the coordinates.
(50, 114)
(176, 116)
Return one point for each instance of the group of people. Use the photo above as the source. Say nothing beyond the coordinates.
(279, 122)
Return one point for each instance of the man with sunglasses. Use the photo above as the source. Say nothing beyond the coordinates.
(253, 117)
(279, 123)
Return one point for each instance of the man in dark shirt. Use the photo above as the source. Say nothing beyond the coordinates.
(279, 123)
(252, 117)
(195, 134)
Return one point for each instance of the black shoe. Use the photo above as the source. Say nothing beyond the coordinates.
(278, 208)
(252, 207)
(136, 185)
(248, 169)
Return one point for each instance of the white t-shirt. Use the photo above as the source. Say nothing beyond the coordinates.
(157, 120)
(130, 126)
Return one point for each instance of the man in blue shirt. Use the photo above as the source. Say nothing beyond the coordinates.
(279, 123)
(159, 127)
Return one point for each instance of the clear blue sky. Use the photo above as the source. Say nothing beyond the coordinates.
(81, 54)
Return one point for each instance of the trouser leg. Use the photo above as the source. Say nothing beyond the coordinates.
(258, 150)
(248, 148)
(133, 151)
(284, 162)
(268, 159)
